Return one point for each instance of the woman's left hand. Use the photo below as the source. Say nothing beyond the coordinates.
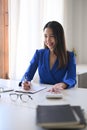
(57, 87)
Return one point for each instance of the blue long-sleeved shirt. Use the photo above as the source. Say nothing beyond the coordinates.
(52, 76)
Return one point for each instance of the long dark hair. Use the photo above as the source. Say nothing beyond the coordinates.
(60, 47)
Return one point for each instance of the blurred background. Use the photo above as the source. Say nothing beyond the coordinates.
(22, 26)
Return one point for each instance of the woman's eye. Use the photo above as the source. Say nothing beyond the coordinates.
(45, 36)
(51, 36)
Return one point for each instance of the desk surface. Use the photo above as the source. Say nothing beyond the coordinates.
(22, 116)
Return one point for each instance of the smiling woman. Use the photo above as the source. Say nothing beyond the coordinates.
(59, 72)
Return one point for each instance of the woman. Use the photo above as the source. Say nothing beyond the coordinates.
(56, 65)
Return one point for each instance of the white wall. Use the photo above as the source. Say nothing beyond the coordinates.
(75, 23)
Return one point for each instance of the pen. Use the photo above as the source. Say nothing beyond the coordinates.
(26, 83)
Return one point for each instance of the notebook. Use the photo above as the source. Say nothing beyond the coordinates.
(60, 116)
(33, 89)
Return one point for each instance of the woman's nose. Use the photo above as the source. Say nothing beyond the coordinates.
(48, 38)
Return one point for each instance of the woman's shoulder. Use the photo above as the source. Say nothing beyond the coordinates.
(70, 53)
(41, 51)
(71, 57)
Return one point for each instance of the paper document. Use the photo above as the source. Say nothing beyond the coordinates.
(33, 89)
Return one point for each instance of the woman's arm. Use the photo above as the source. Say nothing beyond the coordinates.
(29, 74)
(69, 79)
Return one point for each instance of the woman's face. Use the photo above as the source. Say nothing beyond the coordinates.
(49, 39)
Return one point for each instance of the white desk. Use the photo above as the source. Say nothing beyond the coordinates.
(22, 116)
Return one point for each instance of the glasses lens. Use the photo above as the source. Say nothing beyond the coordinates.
(13, 96)
(24, 97)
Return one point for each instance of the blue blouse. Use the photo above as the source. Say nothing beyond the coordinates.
(54, 75)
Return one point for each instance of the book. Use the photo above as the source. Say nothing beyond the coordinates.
(32, 90)
(60, 116)
(80, 113)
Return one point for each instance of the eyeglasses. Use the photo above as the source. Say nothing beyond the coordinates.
(23, 97)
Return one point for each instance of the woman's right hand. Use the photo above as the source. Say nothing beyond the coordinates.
(26, 85)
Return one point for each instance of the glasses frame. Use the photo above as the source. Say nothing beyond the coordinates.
(20, 95)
